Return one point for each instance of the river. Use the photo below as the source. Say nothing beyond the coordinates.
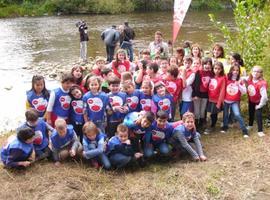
(44, 41)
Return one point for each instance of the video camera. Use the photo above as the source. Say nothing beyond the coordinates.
(81, 25)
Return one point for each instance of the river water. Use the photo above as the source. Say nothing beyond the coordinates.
(48, 40)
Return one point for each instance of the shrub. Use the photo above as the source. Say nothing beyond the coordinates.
(252, 30)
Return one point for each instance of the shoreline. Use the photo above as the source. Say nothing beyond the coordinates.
(15, 83)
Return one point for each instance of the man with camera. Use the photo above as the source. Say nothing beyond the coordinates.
(158, 46)
(83, 40)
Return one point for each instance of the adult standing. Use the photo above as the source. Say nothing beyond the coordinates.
(83, 40)
(110, 37)
(127, 35)
(158, 47)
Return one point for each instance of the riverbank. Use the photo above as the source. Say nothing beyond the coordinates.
(237, 168)
(59, 7)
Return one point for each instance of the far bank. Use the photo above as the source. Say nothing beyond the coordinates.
(20, 8)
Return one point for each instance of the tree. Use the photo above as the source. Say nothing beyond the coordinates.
(249, 37)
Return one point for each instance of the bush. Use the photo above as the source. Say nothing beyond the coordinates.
(110, 7)
(206, 4)
(249, 38)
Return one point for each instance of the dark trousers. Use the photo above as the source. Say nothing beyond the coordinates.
(252, 112)
(78, 129)
(129, 47)
(213, 119)
(110, 53)
(111, 128)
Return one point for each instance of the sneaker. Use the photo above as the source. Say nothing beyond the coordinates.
(223, 130)
(261, 134)
(249, 127)
(95, 164)
(208, 131)
(245, 136)
(142, 163)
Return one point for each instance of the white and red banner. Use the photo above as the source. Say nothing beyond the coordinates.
(180, 10)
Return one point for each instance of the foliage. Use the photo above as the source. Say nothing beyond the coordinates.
(111, 7)
(212, 189)
(40, 7)
(154, 5)
(207, 4)
(251, 32)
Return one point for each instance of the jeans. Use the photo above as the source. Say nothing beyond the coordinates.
(163, 149)
(252, 112)
(110, 53)
(119, 160)
(236, 112)
(129, 47)
(199, 105)
(83, 50)
(100, 156)
(185, 106)
(101, 126)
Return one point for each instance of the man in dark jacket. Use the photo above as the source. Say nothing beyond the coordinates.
(83, 40)
(126, 38)
(110, 37)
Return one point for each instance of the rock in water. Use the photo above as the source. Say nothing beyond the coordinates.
(8, 87)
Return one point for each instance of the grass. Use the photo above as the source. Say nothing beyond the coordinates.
(237, 168)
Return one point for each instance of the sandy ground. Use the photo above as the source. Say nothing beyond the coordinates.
(237, 168)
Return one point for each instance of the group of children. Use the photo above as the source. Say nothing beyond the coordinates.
(124, 112)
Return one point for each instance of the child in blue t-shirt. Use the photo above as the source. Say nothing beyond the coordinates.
(140, 127)
(133, 96)
(59, 102)
(162, 99)
(185, 134)
(161, 133)
(19, 150)
(94, 145)
(64, 142)
(95, 103)
(117, 108)
(120, 150)
(76, 111)
(41, 130)
(38, 95)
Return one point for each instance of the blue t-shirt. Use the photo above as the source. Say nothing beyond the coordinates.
(133, 101)
(146, 102)
(95, 106)
(62, 103)
(41, 138)
(129, 121)
(15, 151)
(189, 134)
(164, 103)
(39, 103)
(117, 99)
(160, 135)
(59, 142)
(76, 111)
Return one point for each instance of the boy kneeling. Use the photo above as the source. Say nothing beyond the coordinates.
(64, 142)
(19, 151)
